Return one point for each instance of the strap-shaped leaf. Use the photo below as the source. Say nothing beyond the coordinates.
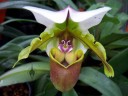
(72, 92)
(96, 47)
(37, 42)
(100, 82)
(24, 73)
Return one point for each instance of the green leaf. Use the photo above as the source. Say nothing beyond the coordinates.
(123, 17)
(6, 59)
(110, 18)
(71, 4)
(20, 4)
(107, 28)
(114, 37)
(50, 90)
(44, 87)
(70, 93)
(6, 54)
(61, 4)
(39, 58)
(122, 82)
(24, 73)
(95, 6)
(21, 41)
(40, 84)
(11, 32)
(89, 2)
(10, 47)
(8, 62)
(119, 62)
(112, 53)
(124, 88)
(112, 25)
(99, 81)
(122, 43)
(1, 28)
(17, 20)
(115, 5)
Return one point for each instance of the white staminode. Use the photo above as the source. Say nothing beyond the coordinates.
(85, 19)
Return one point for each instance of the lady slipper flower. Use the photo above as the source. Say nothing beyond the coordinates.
(66, 39)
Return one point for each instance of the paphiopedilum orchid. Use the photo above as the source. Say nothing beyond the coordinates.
(66, 39)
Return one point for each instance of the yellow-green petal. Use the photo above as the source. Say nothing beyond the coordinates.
(39, 42)
(35, 43)
(96, 47)
(23, 54)
(108, 70)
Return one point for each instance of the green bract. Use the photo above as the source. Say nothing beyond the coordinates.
(66, 39)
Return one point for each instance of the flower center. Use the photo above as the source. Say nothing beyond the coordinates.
(65, 46)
